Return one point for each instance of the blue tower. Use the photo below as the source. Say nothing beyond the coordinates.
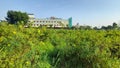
(70, 22)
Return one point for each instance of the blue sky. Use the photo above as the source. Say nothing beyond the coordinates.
(84, 12)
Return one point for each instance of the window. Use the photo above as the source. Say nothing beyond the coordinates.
(59, 22)
(37, 24)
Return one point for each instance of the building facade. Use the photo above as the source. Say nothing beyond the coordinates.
(49, 22)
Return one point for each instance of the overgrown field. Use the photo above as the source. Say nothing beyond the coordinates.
(50, 48)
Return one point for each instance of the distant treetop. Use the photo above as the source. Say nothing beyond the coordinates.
(13, 17)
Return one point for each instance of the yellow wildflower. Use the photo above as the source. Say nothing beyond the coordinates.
(27, 62)
(38, 31)
(14, 32)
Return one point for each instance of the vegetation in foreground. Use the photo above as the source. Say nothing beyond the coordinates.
(43, 48)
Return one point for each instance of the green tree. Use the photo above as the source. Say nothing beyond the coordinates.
(13, 17)
(103, 27)
(109, 27)
(86, 27)
(115, 26)
(95, 28)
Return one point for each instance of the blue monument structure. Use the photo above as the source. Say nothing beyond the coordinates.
(70, 22)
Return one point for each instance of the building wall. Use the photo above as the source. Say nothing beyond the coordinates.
(49, 22)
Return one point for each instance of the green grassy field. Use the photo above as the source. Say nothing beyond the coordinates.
(48, 48)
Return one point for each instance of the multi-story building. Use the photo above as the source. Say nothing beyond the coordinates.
(49, 22)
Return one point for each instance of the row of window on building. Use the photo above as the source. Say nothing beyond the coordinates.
(45, 24)
(47, 21)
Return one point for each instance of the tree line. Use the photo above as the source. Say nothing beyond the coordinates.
(87, 27)
(16, 17)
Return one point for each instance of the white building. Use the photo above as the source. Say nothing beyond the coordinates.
(49, 22)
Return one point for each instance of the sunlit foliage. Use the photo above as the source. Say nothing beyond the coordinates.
(57, 48)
